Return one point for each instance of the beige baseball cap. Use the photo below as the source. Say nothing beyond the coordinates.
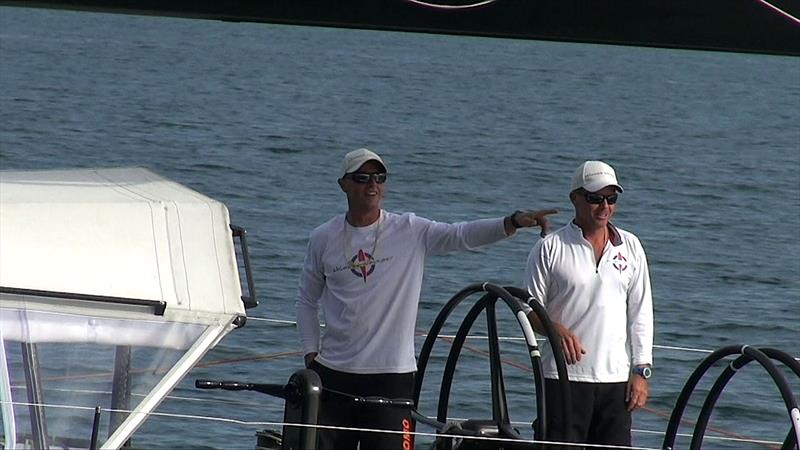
(355, 159)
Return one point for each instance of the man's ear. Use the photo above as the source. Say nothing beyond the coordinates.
(341, 184)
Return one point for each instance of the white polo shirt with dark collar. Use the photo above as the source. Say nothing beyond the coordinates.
(608, 305)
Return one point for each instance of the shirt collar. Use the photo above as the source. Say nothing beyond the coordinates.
(614, 236)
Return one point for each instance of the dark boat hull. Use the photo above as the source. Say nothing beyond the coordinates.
(724, 25)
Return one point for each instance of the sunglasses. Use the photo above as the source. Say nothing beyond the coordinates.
(597, 199)
(363, 178)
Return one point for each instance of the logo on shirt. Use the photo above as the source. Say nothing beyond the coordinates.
(362, 264)
(620, 262)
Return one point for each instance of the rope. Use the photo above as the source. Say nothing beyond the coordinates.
(163, 370)
(250, 358)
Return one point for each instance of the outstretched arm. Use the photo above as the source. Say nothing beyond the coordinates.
(526, 219)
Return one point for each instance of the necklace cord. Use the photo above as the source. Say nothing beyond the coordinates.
(350, 260)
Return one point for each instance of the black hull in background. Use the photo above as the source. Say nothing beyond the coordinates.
(723, 25)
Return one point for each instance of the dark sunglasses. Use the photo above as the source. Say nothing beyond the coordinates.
(597, 199)
(363, 178)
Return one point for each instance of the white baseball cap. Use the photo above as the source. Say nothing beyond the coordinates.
(355, 159)
(595, 175)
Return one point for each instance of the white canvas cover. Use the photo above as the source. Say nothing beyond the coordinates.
(97, 263)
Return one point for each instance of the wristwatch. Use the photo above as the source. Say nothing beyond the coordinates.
(643, 371)
(514, 222)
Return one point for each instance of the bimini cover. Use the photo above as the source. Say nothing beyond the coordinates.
(113, 284)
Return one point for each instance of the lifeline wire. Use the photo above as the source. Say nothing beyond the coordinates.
(284, 354)
(371, 430)
(502, 338)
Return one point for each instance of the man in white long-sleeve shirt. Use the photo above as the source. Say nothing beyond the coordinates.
(364, 269)
(593, 280)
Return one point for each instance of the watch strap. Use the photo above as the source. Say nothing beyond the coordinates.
(514, 222)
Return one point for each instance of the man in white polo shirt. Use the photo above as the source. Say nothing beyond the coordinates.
(593, 280)
(363, 269)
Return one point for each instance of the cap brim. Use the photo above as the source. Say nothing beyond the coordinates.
(357, 164)
(594, 187)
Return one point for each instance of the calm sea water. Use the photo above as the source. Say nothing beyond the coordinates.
(706, 144)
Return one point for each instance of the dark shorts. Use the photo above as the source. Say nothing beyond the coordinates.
(599, 413)
(339, 411)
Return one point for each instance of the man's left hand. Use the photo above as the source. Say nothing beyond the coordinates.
(637, 392)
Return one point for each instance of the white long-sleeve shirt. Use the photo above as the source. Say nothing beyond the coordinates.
(608, 305)
(369, 292)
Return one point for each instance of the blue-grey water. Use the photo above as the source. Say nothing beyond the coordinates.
(258, 116)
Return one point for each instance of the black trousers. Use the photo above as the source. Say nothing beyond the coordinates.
(340, 411)
(599, 413)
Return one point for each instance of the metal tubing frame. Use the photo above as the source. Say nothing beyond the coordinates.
(747, 354)
(452, 359)
(561, 367)
(120, 387)
(158, 306)
(6, 400)
(499, 401)
(95, 428)
(192, 356)
(249, 300)
(438, 323)
(30, 362)
(514, 302)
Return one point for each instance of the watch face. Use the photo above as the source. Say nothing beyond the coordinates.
(646, 372)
